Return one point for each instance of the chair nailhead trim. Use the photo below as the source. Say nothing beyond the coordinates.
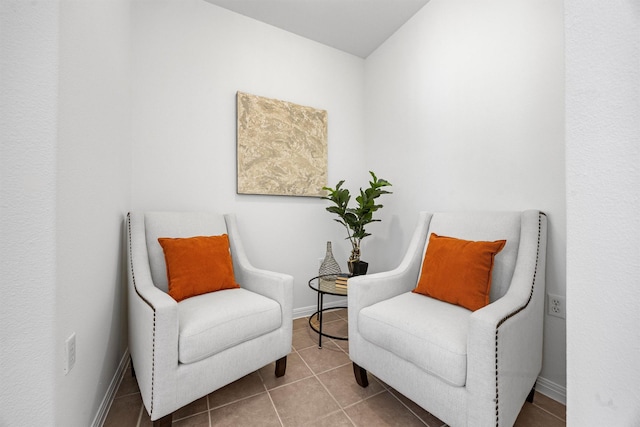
(153, 344)
(507, 317)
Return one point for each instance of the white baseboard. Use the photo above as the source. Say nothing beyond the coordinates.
(552, 390)
(103, 410)
(309, 310)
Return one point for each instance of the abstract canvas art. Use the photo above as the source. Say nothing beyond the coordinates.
(282, 147)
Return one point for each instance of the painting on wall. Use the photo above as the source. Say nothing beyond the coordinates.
(282, 147)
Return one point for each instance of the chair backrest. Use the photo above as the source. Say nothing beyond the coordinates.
(485, 226)
(176, 224)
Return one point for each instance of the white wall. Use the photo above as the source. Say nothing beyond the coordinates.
(464, 111)
(189, 60)
(603, 182)
(28, 97)
(93, 197)
(66, 164)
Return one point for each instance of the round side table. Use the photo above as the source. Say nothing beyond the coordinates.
(325, 284)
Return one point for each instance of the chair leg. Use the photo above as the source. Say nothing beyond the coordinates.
(281, 366)
(164, 421)
(361, 375)
(531, 393)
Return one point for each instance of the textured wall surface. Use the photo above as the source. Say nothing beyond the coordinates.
(282, 147)
(28, 98)
(603, 201)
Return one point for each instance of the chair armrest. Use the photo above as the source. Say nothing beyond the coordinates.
(504, 357)
(153, 318)
(369, 289)
(372, 288)
(504, 349)
(277, 286)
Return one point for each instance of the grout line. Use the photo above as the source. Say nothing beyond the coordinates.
(126, 395)
(274, 408)
(190, 415)
(295, 381)
(140, 412)
(334, 368)
(365, 399)
(549, 412)
(349, 418)
(336, 412)
(292, 382)
(340, 408)
(410, 410)
(238, 400)
(293, 350)
(208, 409)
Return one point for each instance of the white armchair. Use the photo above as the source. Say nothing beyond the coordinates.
(182, 351)
(466, 368)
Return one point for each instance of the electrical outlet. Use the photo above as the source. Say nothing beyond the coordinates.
(69, 353)
(556, 306)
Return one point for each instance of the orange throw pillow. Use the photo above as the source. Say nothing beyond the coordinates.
(197, 265)
(458, 271)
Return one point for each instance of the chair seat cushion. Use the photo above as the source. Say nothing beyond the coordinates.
(213, 322)
(429, 333)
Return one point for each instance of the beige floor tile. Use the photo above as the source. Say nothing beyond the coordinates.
(191, 409)
(343, 387)
(145, 421)
(296, 370)
(322, 359)
(302, 402)
(382, 410)
(534, 416)
(427, 417)
(331, 315)
(128, 385)
(343, 344)
(336, 419)
(246, 386)
(124, 411)
(300, 323)
(329, 325)
(343, 313)
(337, 328)
(256, 411)
(304, 338)
(550, 405)
(200, 420)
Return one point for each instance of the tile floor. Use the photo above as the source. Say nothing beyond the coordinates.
(318, 389)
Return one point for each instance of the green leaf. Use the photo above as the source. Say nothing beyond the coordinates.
(354, 219)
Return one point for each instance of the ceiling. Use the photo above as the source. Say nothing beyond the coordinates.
(353, 26)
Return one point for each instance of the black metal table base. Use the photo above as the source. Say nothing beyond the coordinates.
(318, 315)
(328, 287)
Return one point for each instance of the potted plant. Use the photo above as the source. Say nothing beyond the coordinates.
(355, 219)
